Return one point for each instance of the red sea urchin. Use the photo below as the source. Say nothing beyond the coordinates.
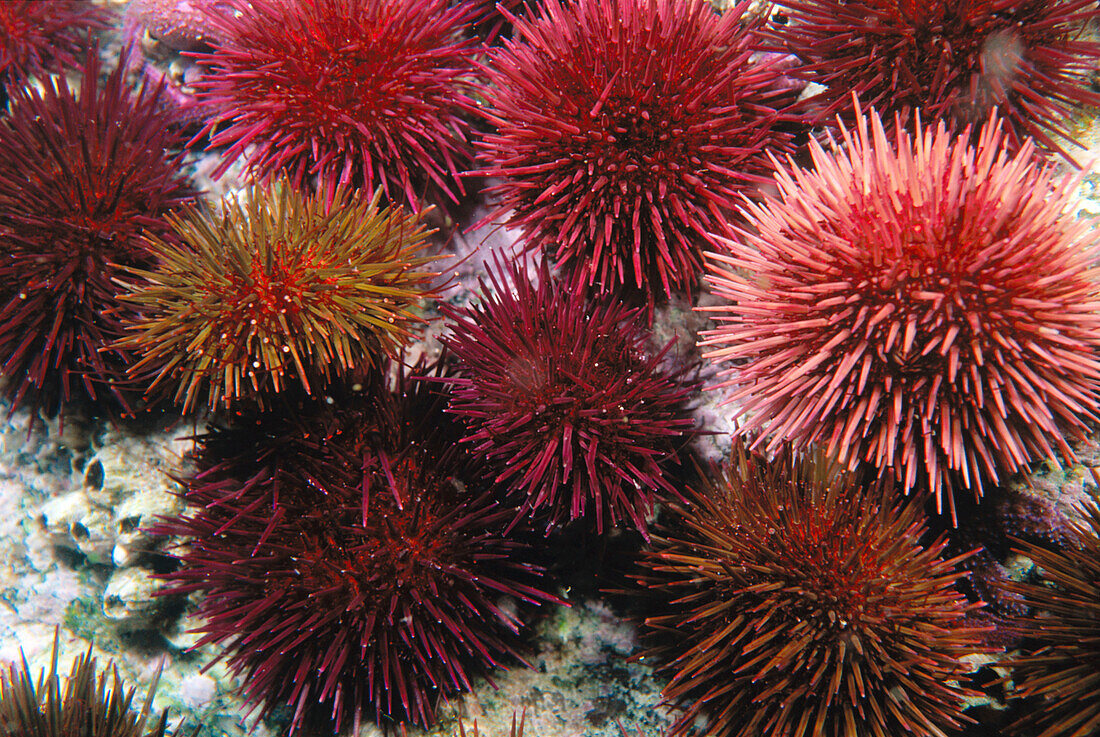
(1057, 673)
(366, 92)
(40, 36)
(84, 174)
(562, 401)
(931, 309)
(282, 288)
(951, 59)
(804, 605)
(357, 573)
(626, 130)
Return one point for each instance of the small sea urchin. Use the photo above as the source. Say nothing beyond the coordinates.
(1057, 672)
(361, 92)
(804, 605)
(950, 59)
(563, 402)
(624, 131)
(361, 577)
(929, 308)
(90, 705)
(282, 288)
(84, 175)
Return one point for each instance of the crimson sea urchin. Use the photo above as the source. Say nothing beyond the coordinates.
(563, 402)
(367, 92)
(929, 308)
(282, 288)
(951, 59)
(84, 174)
(804, 605)
(625, 131)
(359, 575)
(1057, 672)
(36, 36)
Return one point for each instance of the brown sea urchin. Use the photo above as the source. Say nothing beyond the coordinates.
(91, 704)
(801, 604)
(930, 308)
(1057, 672)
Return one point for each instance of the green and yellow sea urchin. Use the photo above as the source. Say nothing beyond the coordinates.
(92, 703)
(279, 288)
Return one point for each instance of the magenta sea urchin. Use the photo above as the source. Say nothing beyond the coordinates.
(38, 37)
(930, 308)
(563, 402)
(950, 59)
(624, 131)
(362, 92)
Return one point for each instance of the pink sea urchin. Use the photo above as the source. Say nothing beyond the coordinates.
(625, 130)
(930, 308)
(362, 91)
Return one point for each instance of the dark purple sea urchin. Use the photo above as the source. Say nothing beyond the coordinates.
(361, 92)
(950, 59)
(624, 131)
(38, 37)
(84, 175)
(562, 401)
(801, 604)
(358, 572)
(930, 308)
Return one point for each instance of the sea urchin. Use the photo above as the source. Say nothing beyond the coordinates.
(84, 175)
(1057, 673)
(366, 92)
(804, 605)
(624, 131)
(282, 288)
(950, 59)
(930, 308)
(92, 704)
(361, 576)
(563, 402)
(37, 37)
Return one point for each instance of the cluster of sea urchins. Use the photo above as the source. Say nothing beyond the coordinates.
(919, 304)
